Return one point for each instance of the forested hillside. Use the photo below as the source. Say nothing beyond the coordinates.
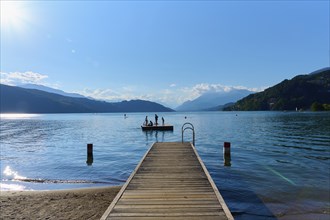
(303, 92)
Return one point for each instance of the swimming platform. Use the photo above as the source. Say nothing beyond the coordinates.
(157, 128)
(170, 182)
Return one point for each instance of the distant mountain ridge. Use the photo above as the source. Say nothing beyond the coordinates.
(220, 107)
(21, 100)
(213, 100)
(301, 92)
(50, 90)
(320, 70)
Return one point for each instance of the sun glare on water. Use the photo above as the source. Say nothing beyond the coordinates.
(18, 116)
(13, 14)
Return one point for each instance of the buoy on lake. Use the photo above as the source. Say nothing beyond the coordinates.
(89, 154)
(226, 154)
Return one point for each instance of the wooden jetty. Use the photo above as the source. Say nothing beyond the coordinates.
(157, 128)
(170, 182)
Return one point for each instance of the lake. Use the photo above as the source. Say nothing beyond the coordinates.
(280, 161)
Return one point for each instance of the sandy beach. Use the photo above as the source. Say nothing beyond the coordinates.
(88, 203)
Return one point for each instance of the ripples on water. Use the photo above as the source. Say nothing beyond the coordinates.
(280, 161)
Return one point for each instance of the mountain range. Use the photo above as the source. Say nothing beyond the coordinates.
(303, 92)
(50, 90)
(21, 100)
(211, 101)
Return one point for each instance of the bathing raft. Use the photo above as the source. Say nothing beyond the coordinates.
(157, 128)
(170, 182)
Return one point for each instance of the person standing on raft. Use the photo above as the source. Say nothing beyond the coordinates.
(146, 121)
(156, 119)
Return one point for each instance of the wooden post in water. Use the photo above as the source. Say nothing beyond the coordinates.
(89, 154)
(226, 153)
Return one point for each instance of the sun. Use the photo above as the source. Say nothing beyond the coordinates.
(13, 14)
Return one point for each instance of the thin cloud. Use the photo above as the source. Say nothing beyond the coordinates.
(169, 97)
(190, 93)
(205, 87)
(69, 40)
(16, 78)
(102, 94)
(110, 95)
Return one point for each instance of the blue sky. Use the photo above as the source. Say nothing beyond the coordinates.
(163, 51)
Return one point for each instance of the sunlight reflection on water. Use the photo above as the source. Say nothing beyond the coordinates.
(13, 174)
(18, 116)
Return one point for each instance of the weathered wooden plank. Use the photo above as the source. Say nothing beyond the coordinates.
(183, 188)
(165, 208)
(170, 214)
(170, 182)
(166, 218)
(166, 202)
(165, 196)
(162, 206)
(160, 212)
(169, 192)
(172, 198)
(153, 182)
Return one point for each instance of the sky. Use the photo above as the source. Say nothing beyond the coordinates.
(163, 51)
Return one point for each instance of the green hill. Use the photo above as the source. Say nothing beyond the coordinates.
(303, 92)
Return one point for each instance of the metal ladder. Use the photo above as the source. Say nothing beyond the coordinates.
(189, 126)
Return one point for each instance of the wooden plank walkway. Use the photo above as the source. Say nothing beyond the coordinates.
(170, 182)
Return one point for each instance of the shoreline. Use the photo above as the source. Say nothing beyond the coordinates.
(88, 203)
(83, 203)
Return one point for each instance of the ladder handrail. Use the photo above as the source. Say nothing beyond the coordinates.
(185, 128)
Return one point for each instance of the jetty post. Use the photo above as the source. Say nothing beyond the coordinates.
(226, 154)
(89, 154)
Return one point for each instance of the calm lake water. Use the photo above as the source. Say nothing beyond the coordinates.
(280, 161)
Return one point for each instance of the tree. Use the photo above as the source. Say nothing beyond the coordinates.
(317, 107)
